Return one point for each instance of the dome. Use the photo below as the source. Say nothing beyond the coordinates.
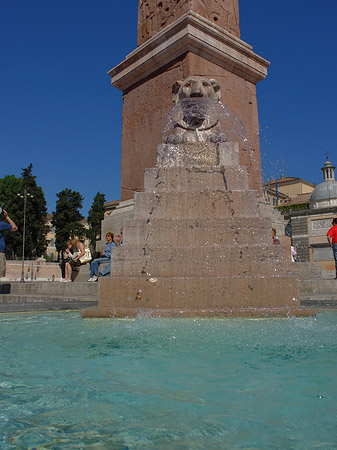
(325, 194)
(325, 190)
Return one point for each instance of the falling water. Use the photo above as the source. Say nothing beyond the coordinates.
(203, 113)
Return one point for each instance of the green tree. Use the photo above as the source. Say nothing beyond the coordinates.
(67, 218)
(36, 214)
(9, 185)
(95, 217)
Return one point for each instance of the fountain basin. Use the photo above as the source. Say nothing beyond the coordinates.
(151, 384)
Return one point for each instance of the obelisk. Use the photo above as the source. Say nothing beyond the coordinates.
(177, 39)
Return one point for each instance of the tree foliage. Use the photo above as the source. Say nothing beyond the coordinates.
(9, 185)
(36, 214)
(95, 217)
(295, 207)
(67, 218)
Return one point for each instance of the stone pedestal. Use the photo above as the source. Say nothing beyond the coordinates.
(197, 246)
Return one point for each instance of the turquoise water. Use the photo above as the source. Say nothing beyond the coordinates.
(167, 383)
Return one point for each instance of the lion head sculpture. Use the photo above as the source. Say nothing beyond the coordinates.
(196, 113)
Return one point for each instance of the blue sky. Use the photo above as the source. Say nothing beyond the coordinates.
(59, 111)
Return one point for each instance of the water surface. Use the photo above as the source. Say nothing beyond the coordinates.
(170, 384)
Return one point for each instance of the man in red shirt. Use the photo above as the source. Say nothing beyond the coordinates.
(332, 239)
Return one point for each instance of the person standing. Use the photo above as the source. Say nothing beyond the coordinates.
(332, 239)
(10, 226)
(106, 258)
(119, 238)
(293, 252)
(274, 237)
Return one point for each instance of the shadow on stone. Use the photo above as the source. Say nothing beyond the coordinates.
(5, 288)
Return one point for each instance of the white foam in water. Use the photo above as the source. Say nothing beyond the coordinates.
(168, 383)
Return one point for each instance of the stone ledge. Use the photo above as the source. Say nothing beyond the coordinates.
(193, 205)
(8, 308)
(198, 293)
(55, 288)
(195, 179)
(38, 298)
(120, 312)
(190, 33)
(319, 303)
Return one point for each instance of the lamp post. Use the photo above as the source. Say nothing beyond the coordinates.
(24, 196)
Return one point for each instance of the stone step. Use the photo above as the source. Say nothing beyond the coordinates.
(173, 261)
(56, 288)
(309, 271)
(189, 205)
(46, 296)
(53, 305)
(319, 301)
(204, 292)
(329, 274)
(83, 274)
(317, 287)
(35, 298)
(183, 179)
(197, 232)
(325, 296)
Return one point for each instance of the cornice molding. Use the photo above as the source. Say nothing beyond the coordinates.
(190, 33)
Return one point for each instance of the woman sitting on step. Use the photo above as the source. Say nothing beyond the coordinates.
(74, 251)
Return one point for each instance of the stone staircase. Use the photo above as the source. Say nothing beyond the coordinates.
(315, 291)
(197, 245)
(47, 296)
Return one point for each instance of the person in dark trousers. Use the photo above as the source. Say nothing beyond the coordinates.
(274, 237)
(9, 226)
(105, 258)
(332, 239)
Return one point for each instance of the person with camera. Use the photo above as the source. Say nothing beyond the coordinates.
(9, 226)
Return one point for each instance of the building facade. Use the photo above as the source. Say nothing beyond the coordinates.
(287, 191)
(310, 225)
